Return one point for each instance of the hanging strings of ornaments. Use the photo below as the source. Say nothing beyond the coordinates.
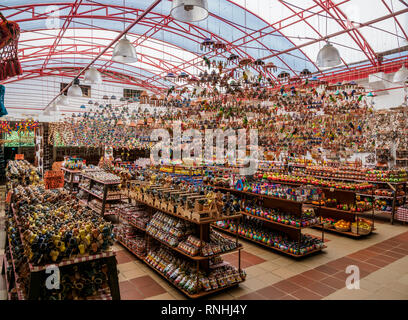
(22, 127)
(332, 118)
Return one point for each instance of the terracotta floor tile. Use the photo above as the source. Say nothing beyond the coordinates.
(360, 256)
(124, 257)
(152, 290)
(288, 297)
(141, 282)
(334, 282)
(131, 295)
(126, 286)
(400, 251)
(301, 280)
(252, 296)
(271, 293)
(254, 259)
(321, 289)
(403, 246)
(386, 258)
(314, 274)
(368, 267)
(326, 269)
(287, 286)
(377, 262)
(384, 245)
(304, 294)
(390, 253)
(342, 263)
(341, 275)
(369, 252)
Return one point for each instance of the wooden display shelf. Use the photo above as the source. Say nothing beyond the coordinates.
(193, 295)
(4, 271)
(335, 210)
(197, 258)
(101, 182)
(70, 170)
(134, 225)
(277, 223)
(36, 270)
(130, 250)
(376, 196)
(207, 221)
(20, 294)
(347, 233)
(298, 183)
(274, 248)
(257, 195)
(98, 196)
(99, 211)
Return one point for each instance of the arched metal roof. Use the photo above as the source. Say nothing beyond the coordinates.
(287, 33)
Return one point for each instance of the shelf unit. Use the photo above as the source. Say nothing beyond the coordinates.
(38, 272)
(345, 197)
(391, 185)
(104, 198)
(202, 262)
(285, 205)
(268, 246)
(69, 179)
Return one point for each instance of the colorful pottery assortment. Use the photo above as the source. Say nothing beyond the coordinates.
(73, 163)
(307, 219)
(362, 226)
(318, 182)
(131, 238)
(58, 229)
(184, 274)
(218, 244)
(169, 229)
(21, 172)
(254, 230)
(342, 225)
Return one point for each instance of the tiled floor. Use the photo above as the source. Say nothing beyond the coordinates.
(382, 259)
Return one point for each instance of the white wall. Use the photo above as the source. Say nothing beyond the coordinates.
(27, 98)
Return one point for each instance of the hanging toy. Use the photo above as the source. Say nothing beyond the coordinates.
(5, 127)
(345, 95)
(3, 110)
(207, 62)
(9, 34)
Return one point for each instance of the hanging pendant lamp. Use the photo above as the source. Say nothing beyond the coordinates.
(62, 101)
(93, 76)
(328, 57)
(401, 75)
(75, 90)
(189, 10)
(124, 52)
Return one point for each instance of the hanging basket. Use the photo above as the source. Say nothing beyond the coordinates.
(9, 35)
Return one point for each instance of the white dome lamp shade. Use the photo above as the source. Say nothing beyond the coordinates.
(328, 57)
(75, 90)
(92, 76)
(401, 75)
(124, 52)
(63, 101)
(189, 10)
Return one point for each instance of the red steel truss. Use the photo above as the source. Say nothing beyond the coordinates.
(79, 10)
